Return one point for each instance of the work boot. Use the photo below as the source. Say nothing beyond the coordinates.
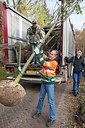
(50, 122)
(75, 94)
(36, 115)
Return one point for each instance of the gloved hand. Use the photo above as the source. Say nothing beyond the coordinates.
(66, 59)
(42, 41)
(19, 68)
(36, 50)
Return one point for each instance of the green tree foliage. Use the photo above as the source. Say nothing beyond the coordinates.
(41, 14)
(77, 8)
(22, 7)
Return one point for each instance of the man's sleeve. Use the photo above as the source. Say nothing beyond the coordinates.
(51, 65)
(40, 57)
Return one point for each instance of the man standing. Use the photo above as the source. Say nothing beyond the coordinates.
(78, 64)
(48, 73)
(33, 36)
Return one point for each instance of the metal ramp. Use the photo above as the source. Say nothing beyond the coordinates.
(59, 79)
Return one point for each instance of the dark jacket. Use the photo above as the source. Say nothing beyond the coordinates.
(78, 64)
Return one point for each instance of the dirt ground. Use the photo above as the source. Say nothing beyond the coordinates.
(20, 116)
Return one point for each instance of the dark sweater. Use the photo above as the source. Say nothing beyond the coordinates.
(78, 63)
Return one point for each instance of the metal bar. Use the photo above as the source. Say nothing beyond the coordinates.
(3, 46)
(17, 38)
(19, 58)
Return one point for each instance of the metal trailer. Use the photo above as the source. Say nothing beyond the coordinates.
(14, 27)
(68, 48)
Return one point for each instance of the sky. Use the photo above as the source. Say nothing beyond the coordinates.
(79, 19)
(76, 19)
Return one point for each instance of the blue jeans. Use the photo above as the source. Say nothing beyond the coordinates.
(76, 81)
(33, 46)
(49, 89)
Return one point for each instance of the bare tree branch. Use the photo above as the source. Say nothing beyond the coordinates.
(7, 1)
(14, 3)
(19, 2)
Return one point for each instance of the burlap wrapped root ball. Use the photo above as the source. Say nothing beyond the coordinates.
(11, 93)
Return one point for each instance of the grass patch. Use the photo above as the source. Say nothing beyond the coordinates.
(80, 116)
(3, 74)
(82, 88)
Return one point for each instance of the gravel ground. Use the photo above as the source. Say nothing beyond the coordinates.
(20, 116)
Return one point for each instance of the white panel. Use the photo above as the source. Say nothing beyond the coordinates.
(17, 28)
(68, 41)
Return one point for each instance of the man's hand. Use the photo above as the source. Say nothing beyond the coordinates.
(42, 41)
(36, 50)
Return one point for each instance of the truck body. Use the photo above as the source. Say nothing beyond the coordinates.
(13, 26)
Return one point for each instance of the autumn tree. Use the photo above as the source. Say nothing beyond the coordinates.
(80, 39)
(32, 8)
(41, 14)
(38, 8)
